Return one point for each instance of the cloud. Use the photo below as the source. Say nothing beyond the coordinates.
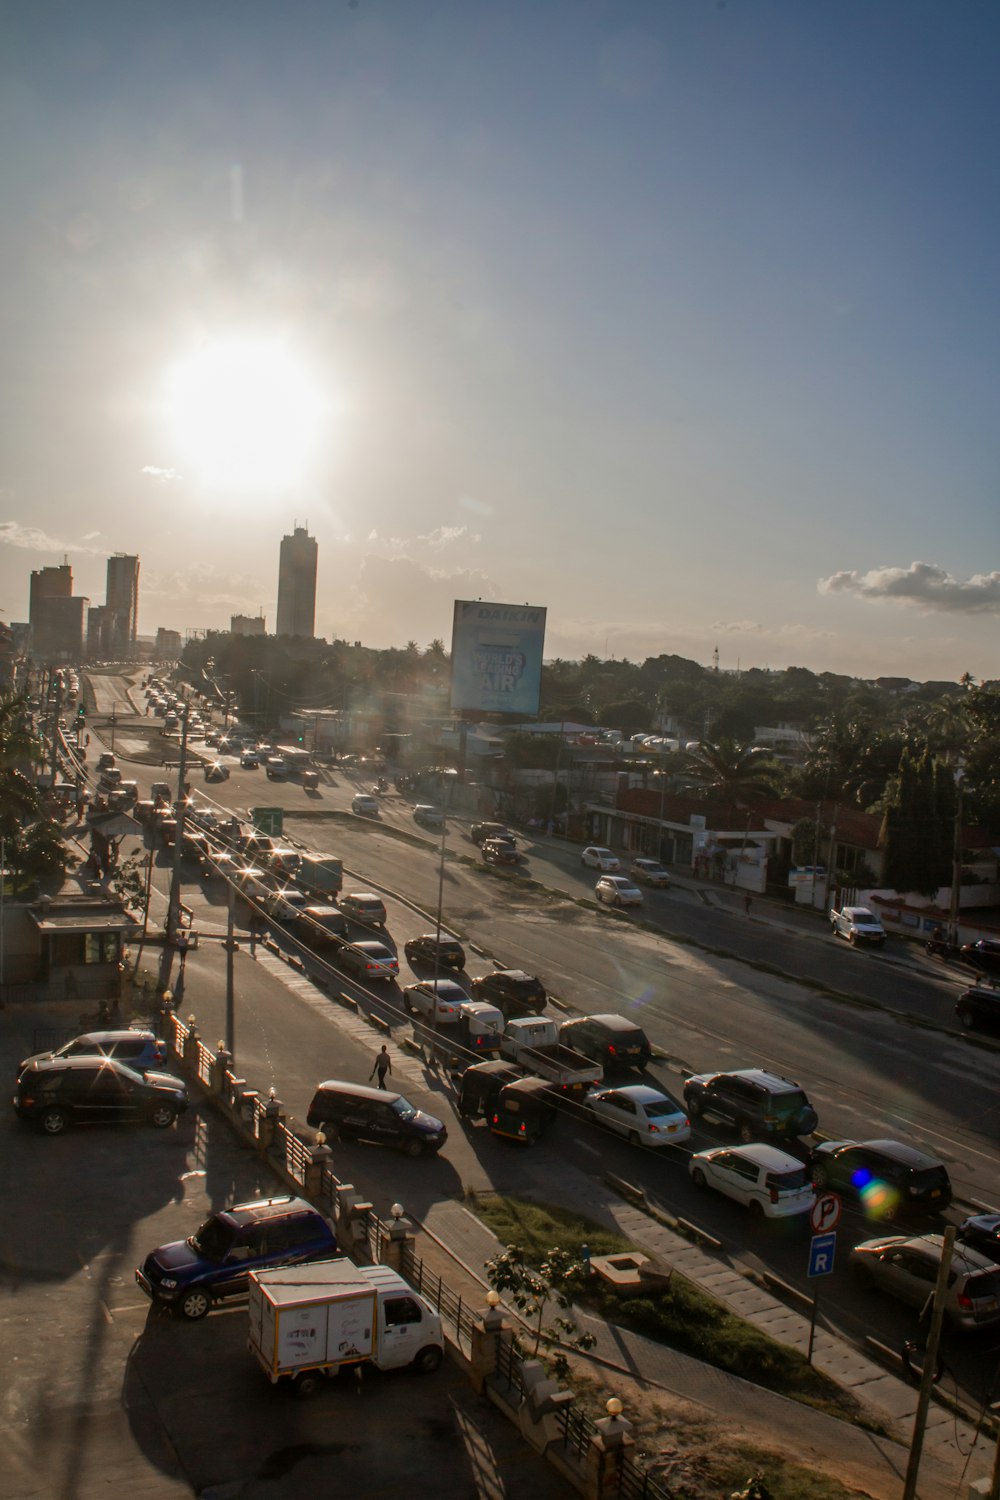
(162, 476)
(924, 586)
(13, 534)
(430, 541)
(203, 586)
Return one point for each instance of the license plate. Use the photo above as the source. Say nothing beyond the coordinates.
(935, 1192)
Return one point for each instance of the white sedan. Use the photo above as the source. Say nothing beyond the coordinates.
(769, 1182)
(600, 859)
(647, 1116)
(617, 890)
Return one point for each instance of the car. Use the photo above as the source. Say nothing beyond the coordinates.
(369, 960)
(647, 1116)
(356, 1112)
(249, 760)
(141, 1050)
(218, 865)
(979, 1010)
(983, 955)
(757, 1103)
(768, 1182)
(363, 906)
(512, 991)
(612, 1040)
(499, 852)
(213, 1265)
(285, 904)
(428, 948)
(617, 890)
(981, 1232)
(887, 1177)
(212, 736)
(276, 768)
(365, 805)
(908, 1269)
(96, 1091)
(649, 872)
(106, 760)
(437, 999)
(480, 832)
(597, 858)
(282, 860)
(428, 816)
(858, 925)
(320, 926)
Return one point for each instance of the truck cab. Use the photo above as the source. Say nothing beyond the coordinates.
(858, 925)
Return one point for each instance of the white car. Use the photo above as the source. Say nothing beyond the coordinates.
(600, 859)
(769, 1182)
(647, 1116)
(617, 890)
(365, 804)
(437, 999)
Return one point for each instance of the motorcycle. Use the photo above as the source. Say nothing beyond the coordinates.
(940, 946)
(381, 785)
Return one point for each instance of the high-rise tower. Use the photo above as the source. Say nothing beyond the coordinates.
(297, 584)
(123, 602)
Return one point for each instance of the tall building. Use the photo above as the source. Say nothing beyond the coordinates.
(297, 584)
(123, 602)
(55, 617)
(247, 625)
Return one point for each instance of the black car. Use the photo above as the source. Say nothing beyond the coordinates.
(428, 948)
(499, 852)
(759, 1104)
(214, 1264)
(96, 1091)
(984, 956)
(887, 1177)
(512, 991)
(356, 1112)
(616, 1043)
(979, 1010)
(480, 832)
(982, 1233)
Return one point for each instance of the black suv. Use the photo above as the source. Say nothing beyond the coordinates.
(96, 1091)
(759, 1104)
(353, 1112)
(614, 1042)
(979, 1010)
(512, 991)
(887, 1176)
(187, 1276)
(428, 948)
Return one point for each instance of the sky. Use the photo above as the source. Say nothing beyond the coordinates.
(677, 317)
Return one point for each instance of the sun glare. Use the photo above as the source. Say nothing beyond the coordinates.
(245, 414)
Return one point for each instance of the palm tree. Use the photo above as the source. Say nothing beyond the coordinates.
(728, 769)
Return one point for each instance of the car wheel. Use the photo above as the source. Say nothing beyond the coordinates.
(698, 1177)
(618, 901)
(163, 1116)
(413, 1148)
(695, 1105)
(965, 1018)
(307, 1385)
(53, 1121)
(428, 1360)
(746, 1132)
(194, 1305)
(853, 939)
(756, 1209)
(407, 1006)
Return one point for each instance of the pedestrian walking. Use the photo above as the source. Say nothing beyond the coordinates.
(382, 1066)
(747, 903)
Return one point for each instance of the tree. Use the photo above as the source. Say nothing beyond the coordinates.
(532, 1290)
(37, 851)
(730, 770)
(19, 799)
(918, 825)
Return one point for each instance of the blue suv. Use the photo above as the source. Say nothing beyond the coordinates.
(188, 1276)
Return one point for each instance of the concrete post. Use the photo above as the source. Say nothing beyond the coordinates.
(220, 1067)
(488, 1333)
(319, 1160)
(394, 1246)
(271, 1123)
(191, 1043)
(605, 1456)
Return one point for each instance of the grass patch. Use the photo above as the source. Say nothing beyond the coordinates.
(684, 1317)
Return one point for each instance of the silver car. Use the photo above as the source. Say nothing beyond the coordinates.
(908, 1269)
(617, 890)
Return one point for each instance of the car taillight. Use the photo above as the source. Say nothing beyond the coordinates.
(611, 1049)
(28, 1103)
(964, 1300)
(774, 1194)
(654, 1129)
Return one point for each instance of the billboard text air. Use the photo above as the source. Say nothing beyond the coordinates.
(496, 657)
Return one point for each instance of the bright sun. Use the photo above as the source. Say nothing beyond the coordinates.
(245, 414)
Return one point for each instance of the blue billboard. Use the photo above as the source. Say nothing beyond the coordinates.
(496, 657)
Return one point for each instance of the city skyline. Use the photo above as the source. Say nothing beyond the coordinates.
(673, 319)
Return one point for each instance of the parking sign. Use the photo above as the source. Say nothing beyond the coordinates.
(822, 1249)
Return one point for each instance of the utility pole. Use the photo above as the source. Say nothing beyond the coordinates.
(930, 1365)
(174, 905)
(230, 946)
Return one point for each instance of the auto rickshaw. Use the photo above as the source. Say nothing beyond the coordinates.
(310, 781)
(514, 1104)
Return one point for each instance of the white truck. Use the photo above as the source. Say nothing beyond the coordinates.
(469, 1035)
(857, 924)
(309, 1321)
(533, 1042)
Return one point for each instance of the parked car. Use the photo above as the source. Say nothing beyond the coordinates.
(887, 1177)
(984, 956)
(428, 948)
(768, 1182)
(908, 1269)
(363, 906)
(757, 1103)
(979, 1010)
(214, 1264)
(616, 1043)
(499, 852)
(649, 872)
(512, 991)
(365, 805)
(597, 858)
(140, 1050)
(356, 1112)
(617, 890)
(96, 1091)
(647, 1116)
(369, 960)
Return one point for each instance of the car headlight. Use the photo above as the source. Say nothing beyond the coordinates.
(168, 1284)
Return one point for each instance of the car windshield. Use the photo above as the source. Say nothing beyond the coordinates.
(403, 1108)
(790, 1103)
(213, 1239)
(861, 915)
(929, 1179)
(661, 1107)
(787, 1182)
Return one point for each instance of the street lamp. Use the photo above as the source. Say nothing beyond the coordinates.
(956, 864)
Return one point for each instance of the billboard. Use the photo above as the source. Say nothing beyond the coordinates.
(496, 657)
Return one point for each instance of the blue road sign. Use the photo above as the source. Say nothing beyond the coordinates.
(822, 1248)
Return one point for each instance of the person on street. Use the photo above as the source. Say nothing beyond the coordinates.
(747, 903)
(383, 1065)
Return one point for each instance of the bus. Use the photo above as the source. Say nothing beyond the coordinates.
(296, 760)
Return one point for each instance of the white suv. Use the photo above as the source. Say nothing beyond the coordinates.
(617, 890)
(600, 859)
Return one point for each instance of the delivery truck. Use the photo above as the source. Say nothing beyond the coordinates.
(533, 1042)
(310, 1321)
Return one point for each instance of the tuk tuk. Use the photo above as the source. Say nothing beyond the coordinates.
(310, 781)
(514, 1104)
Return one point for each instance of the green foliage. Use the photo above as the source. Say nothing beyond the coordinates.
(556, 1280)
(37, 851)
(731, 770)
(918, 825)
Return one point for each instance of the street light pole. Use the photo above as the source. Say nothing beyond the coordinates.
(956, 858)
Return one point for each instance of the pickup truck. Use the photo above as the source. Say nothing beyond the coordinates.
(533, 1042)
(857, 924)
